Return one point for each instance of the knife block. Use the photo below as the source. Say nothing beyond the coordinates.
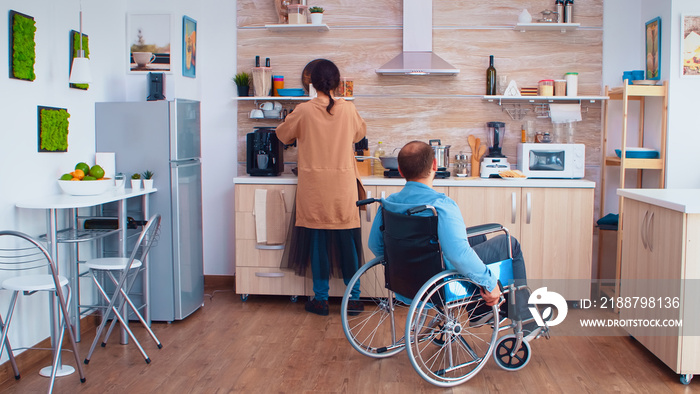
(364, 167)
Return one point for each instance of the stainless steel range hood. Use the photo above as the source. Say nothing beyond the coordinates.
(417, 57)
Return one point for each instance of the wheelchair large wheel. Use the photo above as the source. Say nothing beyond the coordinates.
(450, 334)
(376, 330)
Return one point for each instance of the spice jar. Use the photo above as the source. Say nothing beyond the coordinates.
(461, 164)
(560, 87)
(546, 88)
(571, 84)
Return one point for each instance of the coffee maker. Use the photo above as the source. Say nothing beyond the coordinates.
(495, 161)
(264, 153)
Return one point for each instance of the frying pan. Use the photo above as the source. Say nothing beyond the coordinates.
(388, 162)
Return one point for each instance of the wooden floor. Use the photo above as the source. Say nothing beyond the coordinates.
(270, 345)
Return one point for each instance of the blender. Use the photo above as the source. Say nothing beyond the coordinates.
(495, 161)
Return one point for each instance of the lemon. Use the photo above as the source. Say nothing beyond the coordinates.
(97, 172)
(66, 177)
(83, 167)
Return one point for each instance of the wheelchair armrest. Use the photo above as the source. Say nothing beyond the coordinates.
(483, 229)
(366, 201)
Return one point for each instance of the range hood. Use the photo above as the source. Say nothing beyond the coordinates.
(417, 57)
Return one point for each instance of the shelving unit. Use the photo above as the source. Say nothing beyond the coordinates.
(283, 98)
(627, 93)
(512, 105)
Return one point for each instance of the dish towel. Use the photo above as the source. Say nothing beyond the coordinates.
(276, 214)
(260, 213)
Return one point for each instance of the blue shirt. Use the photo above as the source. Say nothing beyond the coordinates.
(452, 231)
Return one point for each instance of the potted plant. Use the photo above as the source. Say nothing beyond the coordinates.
(242, 80)
(136, 181)
(147, 179)
(316, 15)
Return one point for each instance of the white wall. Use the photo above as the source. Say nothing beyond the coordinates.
(26, 173)
(684, 128)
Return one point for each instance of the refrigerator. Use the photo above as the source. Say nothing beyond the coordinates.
(165, 138)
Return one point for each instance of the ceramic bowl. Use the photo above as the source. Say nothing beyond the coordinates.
(86, 188)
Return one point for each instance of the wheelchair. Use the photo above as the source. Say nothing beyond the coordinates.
(406, 299)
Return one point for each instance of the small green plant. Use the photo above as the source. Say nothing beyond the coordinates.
(242, 79)
(53, 129)
(136, 176)
(316, 10)
(148, 174)
(23, 46)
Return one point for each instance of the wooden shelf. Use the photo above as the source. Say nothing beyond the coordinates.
(282, 28)
(544, 26)
(635, 91)
(638, 164)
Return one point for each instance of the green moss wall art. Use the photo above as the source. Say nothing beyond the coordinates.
(53, 129)
(22, 46)
(74, 48)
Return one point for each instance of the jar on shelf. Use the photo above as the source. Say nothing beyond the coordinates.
(297, 14)
(546, 88)
(571, 84)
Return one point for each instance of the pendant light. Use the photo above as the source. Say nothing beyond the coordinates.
(80, 69)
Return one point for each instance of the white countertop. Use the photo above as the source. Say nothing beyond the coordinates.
(682, 200)
(290, 179)
(61, 201)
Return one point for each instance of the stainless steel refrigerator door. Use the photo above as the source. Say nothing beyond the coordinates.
(188, 258)
(185, 137)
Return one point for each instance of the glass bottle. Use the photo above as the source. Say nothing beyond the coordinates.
(559, 5)
(491, 78)
(378, 169)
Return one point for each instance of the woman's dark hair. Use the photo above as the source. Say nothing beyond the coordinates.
(415, 160)
(326, 77)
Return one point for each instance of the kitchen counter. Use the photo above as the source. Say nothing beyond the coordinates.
(681, 200)
(290, 179)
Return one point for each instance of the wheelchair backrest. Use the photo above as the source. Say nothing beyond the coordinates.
(411, 250)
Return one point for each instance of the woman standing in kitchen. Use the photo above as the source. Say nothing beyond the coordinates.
(326, 234)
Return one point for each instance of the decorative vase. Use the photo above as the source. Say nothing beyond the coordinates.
(316, 18)
(136, 184)
(243, 91)
(147, 184)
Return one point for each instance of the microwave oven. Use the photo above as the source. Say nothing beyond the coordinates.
(541, 160)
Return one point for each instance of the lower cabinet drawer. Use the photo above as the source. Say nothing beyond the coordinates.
(274, 281)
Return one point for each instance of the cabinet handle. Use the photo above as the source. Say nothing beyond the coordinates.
(650, 232)
(643, 229)
(269, 274)
(528, 201)
(383, 194)
(368, 207)
(513, 208)
(269, 247)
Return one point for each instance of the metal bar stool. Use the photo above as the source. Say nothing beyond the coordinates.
(122, 272)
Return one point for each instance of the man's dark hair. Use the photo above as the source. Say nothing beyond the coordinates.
(415, 160)
(325, 77)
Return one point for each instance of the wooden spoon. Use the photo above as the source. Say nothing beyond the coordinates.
(482, 151)
(472, 143)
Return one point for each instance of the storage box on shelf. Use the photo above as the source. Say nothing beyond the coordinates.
(625, 94)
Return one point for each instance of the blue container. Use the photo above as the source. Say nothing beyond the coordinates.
(628, 76)
(637, 75)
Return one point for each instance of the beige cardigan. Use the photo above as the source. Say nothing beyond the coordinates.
(329, 182)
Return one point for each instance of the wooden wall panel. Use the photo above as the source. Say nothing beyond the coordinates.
(366, 34)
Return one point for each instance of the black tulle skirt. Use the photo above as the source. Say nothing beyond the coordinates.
(344, 249)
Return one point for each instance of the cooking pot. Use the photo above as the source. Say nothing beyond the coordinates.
(442, 154)
(388, 162)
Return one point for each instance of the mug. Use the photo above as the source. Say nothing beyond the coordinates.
(267, 106)
(119, 180)
(277, 106)
(143, 58)
(263, 159)
(257, 114)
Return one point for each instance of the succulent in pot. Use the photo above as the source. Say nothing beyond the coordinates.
(316, 13)
(316, 10)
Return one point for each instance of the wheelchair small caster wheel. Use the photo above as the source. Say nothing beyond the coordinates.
(293, 299)
(685, 379)
(244, 297)
(502, 353)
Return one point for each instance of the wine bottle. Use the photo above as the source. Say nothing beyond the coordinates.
(491, 78)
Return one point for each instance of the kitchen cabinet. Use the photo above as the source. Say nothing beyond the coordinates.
(553, 225)
(660, 259)
(257, 265)
(555, 231)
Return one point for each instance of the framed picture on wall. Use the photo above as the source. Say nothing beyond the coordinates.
(653, 48)
(189, 47)
(148, 42)
(690, 46)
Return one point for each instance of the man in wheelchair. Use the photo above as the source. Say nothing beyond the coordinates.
(417, 164)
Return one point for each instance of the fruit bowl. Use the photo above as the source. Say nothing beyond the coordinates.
(86, 188)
